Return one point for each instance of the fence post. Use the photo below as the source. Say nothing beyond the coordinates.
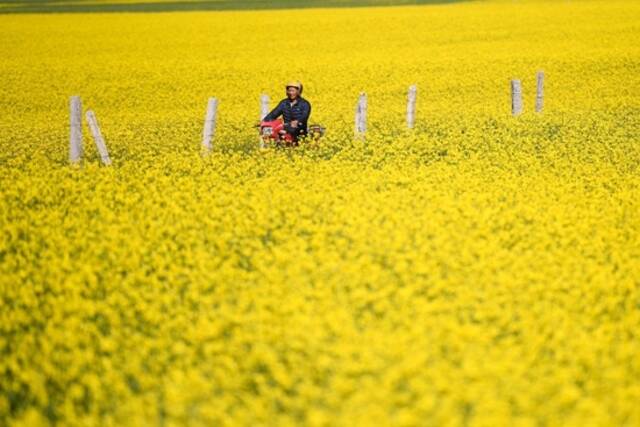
(97, 137)
(264, 106)
(516, 97)
(75, 134)
(539, 91)
(411, 106)
(209, 124)
(361, 116)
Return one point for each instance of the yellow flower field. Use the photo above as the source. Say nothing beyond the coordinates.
(480, 270)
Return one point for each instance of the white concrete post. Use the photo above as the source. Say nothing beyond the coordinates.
(361, 115)
(97, 137)
(516, 97)
(209, 124)
(264, 106)
(75, 135)
(356, 123)
(539, 91)
(411, 106)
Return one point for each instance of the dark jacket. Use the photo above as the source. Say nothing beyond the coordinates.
(300, 111)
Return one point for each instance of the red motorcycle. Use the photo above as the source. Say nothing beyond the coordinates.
(274, 132)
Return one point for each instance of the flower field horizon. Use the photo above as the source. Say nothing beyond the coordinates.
(480, 269)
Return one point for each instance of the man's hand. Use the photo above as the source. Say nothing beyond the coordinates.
(294, 123)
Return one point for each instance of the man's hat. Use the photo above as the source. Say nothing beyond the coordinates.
(295, 84)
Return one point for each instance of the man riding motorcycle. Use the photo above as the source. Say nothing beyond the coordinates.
(294, 109)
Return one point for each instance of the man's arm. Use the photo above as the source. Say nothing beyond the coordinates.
(305, 112)
(275, 113)
(298, 127)
(305, 109)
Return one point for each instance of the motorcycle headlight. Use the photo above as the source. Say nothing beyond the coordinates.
(267, 130)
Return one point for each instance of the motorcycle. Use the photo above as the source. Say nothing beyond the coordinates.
(273, 132)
